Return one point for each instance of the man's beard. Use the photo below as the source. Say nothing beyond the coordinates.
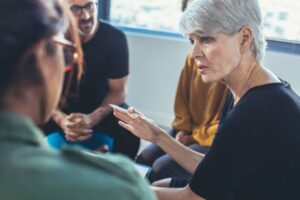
(86, 31)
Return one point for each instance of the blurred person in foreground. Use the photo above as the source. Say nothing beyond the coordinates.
(256, 151)
(32, 46)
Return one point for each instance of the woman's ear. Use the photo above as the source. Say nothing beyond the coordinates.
(41, 60)
(51, 67)
(246, 36)
(47, 62)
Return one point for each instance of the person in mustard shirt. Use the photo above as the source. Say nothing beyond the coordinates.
(197, 107)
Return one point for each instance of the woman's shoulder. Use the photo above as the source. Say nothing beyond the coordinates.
(267, 101)
(269, 93)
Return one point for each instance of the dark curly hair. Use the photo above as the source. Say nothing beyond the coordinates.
(23, 23)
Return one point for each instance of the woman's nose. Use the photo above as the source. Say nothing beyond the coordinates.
(197, 50)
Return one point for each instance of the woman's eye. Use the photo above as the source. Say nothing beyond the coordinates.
(207, 39)
(191, 41)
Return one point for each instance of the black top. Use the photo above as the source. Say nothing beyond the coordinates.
(227, 106)
(106, 57)
(256, 152)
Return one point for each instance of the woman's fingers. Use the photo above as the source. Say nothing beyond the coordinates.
(126, 126)
(133, 110)
(137, 131)
(124, 116)
(139, 125)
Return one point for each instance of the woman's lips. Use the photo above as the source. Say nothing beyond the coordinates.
(202, 67)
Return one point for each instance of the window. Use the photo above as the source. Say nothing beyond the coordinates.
(281, 17)
(279, 31)
(162, 15)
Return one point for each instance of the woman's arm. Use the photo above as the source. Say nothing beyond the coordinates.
(176, 193)
(144, 128)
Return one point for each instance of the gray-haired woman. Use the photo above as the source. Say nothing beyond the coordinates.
(244, 161)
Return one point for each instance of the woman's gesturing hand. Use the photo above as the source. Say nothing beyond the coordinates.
(135, 122)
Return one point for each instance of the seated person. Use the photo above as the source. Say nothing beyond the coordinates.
(197, 110)
(32, 71)
(103, 82)
(256, 151)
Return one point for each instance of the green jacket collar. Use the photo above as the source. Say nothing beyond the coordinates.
(17, 128)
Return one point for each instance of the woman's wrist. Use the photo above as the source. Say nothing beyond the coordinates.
(162, 137)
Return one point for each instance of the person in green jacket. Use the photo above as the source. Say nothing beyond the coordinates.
(32, 70)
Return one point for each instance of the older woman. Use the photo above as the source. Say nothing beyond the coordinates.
(32, 71)
(256, 152)
(197, 109)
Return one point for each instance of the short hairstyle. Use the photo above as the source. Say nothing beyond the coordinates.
(184, 5)
(207, 17)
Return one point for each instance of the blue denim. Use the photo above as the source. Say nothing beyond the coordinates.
(57, 140)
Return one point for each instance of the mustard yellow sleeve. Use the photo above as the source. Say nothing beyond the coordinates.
(183, 118)
(207, 105)
(205, 134)
(197, 104)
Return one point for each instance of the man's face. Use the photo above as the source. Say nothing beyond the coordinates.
(86, 14)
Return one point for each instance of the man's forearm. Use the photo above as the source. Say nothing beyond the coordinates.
(58, 116)
(104, 109)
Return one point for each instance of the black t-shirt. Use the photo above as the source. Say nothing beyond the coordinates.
(106, 57)
(227, 106)
(256, 151)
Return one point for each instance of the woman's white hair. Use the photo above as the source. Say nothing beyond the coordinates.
(208, 17)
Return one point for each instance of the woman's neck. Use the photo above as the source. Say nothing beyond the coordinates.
(249, 75)
(24, 104)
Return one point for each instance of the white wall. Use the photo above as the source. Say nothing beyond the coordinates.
(155, 64)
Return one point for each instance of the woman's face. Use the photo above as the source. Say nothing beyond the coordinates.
(52, 68)
(216, 56)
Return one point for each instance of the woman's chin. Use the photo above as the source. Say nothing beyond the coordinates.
(207, 79)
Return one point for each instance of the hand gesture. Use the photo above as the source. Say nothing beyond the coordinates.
(135, 122)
